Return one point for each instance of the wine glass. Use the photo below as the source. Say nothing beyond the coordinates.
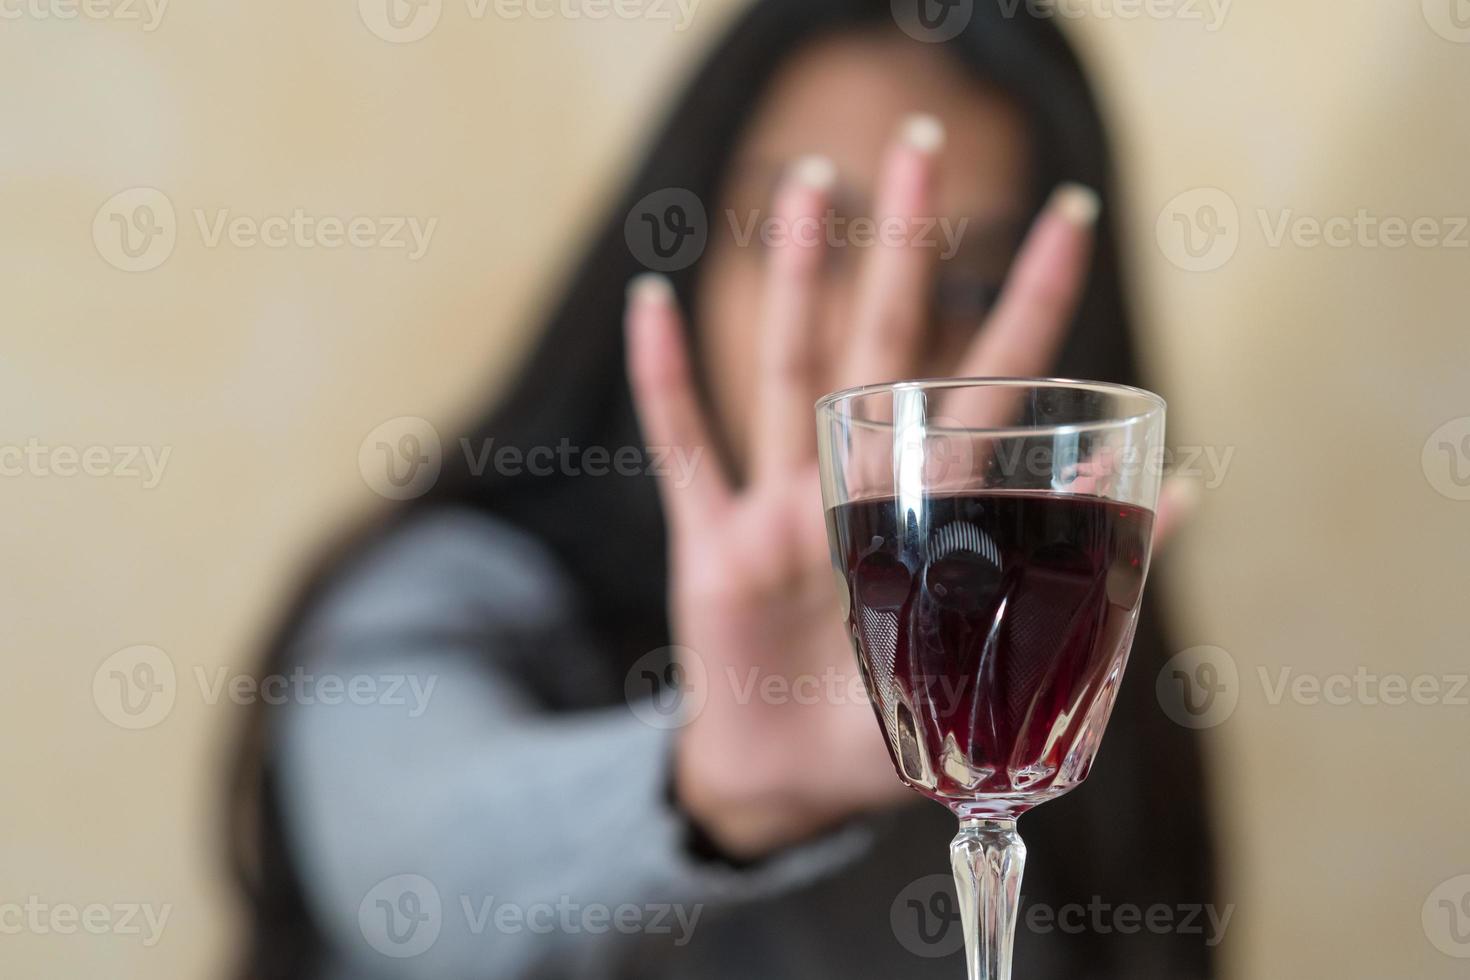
(991, 540)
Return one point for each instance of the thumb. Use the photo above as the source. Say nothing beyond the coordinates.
(1179, 499)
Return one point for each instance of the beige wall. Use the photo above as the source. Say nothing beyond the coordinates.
(1325, 547)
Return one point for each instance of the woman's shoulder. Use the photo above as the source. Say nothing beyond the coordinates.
(452, 569)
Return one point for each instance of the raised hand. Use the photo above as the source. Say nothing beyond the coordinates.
(751, 590)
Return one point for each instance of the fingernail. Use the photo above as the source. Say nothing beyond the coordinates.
(923, 132)
(649, 288)
(1077, 203)
(814, 171)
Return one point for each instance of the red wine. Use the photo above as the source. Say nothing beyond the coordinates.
(992, 629)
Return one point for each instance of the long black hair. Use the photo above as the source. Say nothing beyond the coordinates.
(608, 534)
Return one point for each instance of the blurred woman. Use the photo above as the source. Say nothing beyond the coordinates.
(523, 818)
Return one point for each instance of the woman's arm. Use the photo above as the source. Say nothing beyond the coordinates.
(436, 808)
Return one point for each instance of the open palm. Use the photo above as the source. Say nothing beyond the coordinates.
(785, 744)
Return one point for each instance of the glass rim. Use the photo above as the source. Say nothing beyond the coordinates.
(1156, 403)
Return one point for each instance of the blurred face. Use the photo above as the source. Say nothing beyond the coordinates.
(846, 98)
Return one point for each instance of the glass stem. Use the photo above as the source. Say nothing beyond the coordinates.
(988, 858)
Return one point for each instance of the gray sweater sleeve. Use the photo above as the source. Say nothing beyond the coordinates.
(446, 823)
